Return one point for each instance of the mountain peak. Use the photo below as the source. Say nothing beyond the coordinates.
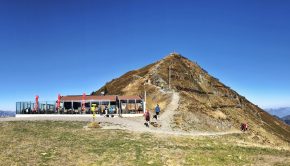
(205, 103)
(174, 55)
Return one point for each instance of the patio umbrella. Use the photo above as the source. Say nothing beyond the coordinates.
(84, 102)
(36, 103)
(58, 102)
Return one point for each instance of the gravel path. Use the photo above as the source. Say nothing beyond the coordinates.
(166, 117)
(135, 124)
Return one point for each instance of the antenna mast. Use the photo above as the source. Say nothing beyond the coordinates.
(169, 76)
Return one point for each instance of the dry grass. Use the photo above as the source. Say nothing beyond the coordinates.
(67, 143)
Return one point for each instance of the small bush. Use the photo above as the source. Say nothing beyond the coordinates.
(94, 125)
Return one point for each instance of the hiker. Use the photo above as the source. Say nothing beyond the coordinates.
(101, 110)
(147, 118)
(157, 110)
(106, 110)
(111, 110)
(117, 110)
(244, 127)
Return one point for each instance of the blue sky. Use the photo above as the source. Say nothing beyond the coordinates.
(70, 47)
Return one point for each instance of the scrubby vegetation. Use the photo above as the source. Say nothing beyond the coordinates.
(68, 143)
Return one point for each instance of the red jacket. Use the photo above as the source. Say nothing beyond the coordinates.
(147, 116)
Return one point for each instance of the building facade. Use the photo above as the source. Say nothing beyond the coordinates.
(84, 104)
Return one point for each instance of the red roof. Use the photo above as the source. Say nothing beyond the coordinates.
(88, 97)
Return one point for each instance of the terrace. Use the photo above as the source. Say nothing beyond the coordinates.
(82, 104)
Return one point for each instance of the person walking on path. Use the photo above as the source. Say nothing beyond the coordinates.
(147, 118)
(157, 110)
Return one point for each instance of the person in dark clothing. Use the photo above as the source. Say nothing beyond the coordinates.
(147, 118)
(244, 127)
(157, 110)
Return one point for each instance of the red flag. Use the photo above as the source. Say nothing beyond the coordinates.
(58, 101)
(36, 103)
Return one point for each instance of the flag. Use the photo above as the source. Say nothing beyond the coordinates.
(58, 102)
(36, 103)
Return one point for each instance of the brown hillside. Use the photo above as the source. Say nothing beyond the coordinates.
(206, 104)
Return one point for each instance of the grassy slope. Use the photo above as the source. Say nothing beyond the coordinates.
(67, 143)
(116, 86)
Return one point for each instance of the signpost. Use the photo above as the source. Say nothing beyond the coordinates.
(93, 109)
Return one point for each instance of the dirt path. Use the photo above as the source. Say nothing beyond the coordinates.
(167, 116)
(137, 123)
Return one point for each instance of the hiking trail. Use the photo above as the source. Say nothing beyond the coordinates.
(166, 117)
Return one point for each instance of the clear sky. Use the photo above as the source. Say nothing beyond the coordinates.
(70, 47)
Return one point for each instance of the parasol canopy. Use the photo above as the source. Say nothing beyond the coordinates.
(36, 103)
(58, 102)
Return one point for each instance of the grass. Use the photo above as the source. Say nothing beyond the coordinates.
(67, 143)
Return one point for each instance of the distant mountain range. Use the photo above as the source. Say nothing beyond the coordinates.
(4, 114)
(280, 112)
(286, 119)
